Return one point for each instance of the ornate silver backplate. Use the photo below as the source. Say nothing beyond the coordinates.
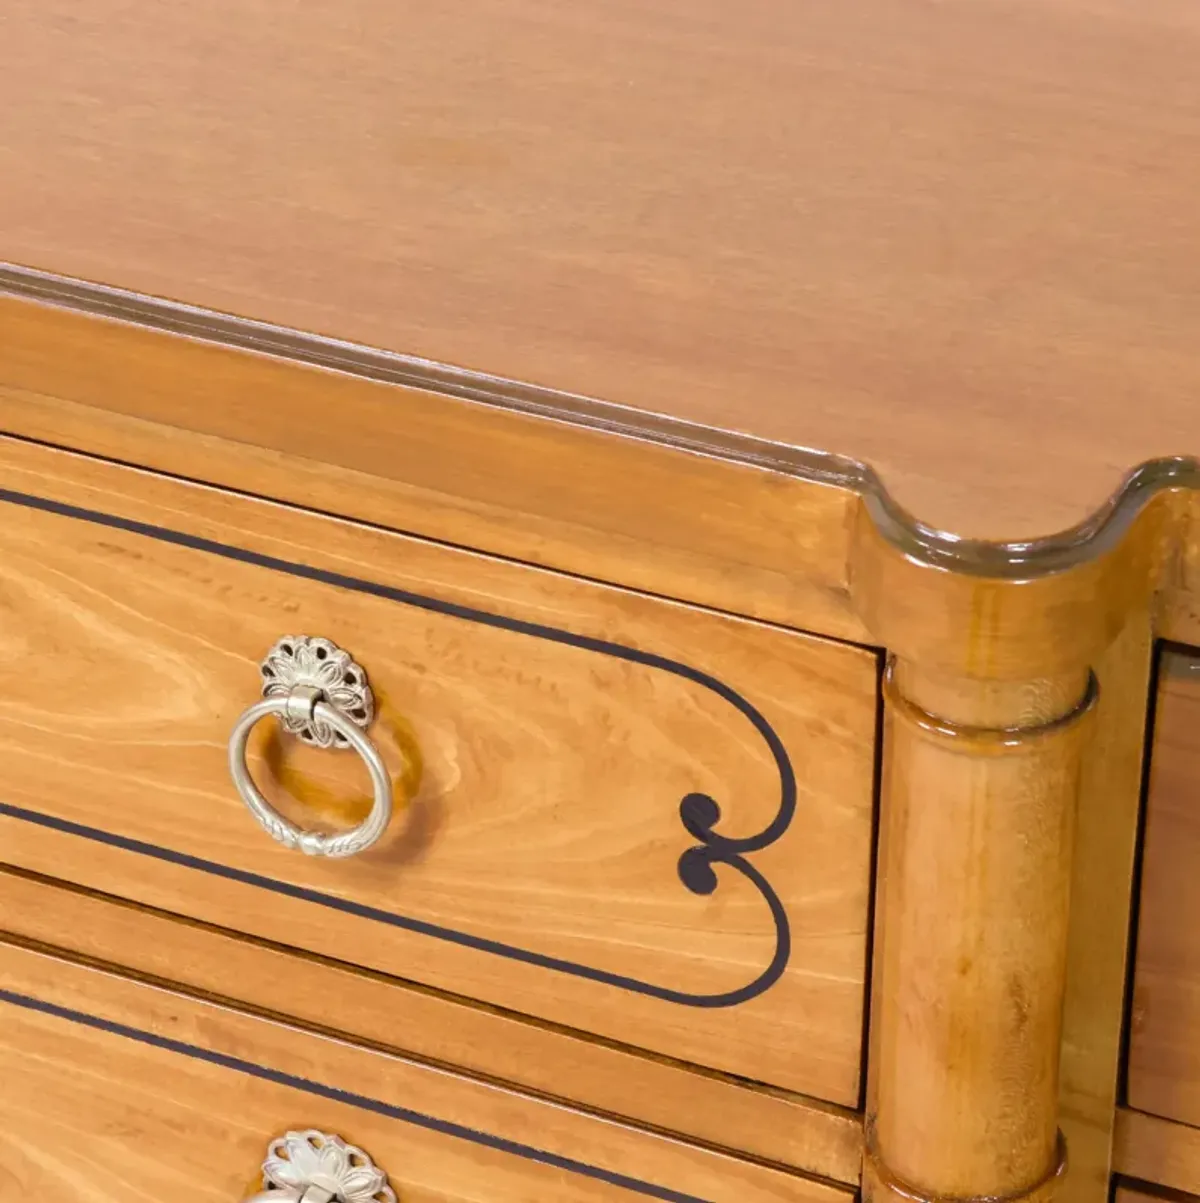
(314, 1167)
(316, 663)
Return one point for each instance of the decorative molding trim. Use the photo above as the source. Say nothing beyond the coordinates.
(983, 739)
(896, 1185)
(1022, 560)
(698, 812)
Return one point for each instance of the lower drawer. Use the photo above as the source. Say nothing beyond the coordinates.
(769, 1125)
(117, 1090)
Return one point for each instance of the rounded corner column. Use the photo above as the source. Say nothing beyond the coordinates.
(979, 792)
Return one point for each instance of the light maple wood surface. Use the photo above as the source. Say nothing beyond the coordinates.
(1164, 1042)
(117, 1091)
(1102, 894)
(736, 536)
(1126, 1192)
(539, 784)
(955, 241)
(738, 529)
(978, 817)
(554, 1062)
(1157, 1150)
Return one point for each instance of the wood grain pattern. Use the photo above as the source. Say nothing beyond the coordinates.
(528, 770)
(751, 538)
(1164, 1047)
(694, 527)
(841, 226)
(1106, 836)
(978, 816)
(554, 1062)
(109, 1116)
(1157, 1150)
(1127, 1192)
(1012, 629)
(1179, 616)
(1000, 633)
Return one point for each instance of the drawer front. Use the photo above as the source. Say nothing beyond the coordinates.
(1164, 1041)
(769, 1125)
(117, 1091)
(1152, 1149)
(627, 816)
(1143, 1192)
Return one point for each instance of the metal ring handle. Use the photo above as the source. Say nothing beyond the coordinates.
(346, 843)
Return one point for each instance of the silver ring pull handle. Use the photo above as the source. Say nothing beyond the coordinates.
(320, 695)
(313, 1167)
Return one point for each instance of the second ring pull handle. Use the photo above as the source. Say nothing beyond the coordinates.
(318, 1167)
(321, 695)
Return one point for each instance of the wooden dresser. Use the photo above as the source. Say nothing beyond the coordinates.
(600, 602)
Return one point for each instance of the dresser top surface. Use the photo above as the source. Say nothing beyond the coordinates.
(960, 243)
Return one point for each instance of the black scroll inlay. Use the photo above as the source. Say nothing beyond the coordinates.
(700, 814)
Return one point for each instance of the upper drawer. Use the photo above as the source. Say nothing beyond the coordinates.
(1164, 1043)
(625, 815)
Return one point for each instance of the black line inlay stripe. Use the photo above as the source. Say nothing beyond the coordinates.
(698, 812)
(363, 1102)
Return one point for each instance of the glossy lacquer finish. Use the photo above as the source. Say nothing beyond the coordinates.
(954, 242)
(901, 298)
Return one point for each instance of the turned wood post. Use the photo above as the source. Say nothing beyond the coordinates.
(975, 874)
(987, 696)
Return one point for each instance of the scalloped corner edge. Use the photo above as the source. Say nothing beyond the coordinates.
(1016, 559)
